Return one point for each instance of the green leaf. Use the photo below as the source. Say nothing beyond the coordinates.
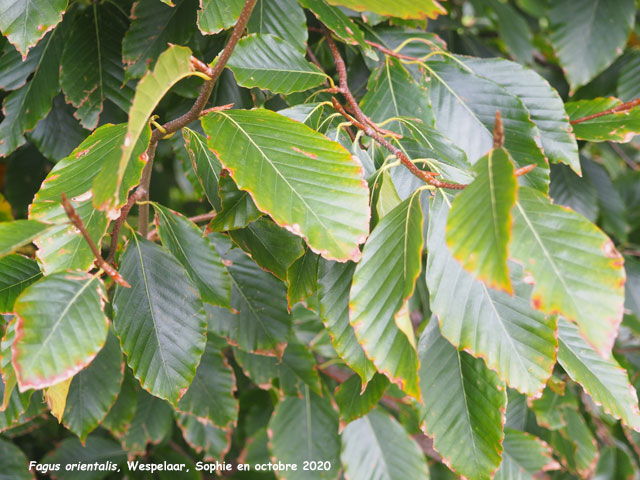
(524, 456)
(60, 328)
(262, 324)
(334, 282)
(271, 247)
(632, 286)
(582, 35)
(268, 62)
(618, 127)
(392, 92)
(95, 449)
(153, 27)
(214, 15)
(299, 363)
(382, 282)
(514, 31)
(197, 254)
(15, 70)
(574, 192)
(479, 223)
(160, 320)
(354, 401)
(91, 69)
(14, 235)
(282, 18)
(367, 452)
(339, 23)
(152, 423)
(63, 248)
(464, 406)
(603, 379)
(110, 187)
(516, 341)
(261, 369)
(578, 272)
(302, 278)
(57, 134)
(465, 106)
(576, 447)
(211, 394)
(628, 87)
(237, 208)
(24, 22)
(306, 429)
(124, 408)
(418, 9)
(94, 390)
(204, 437)
(16, 274)
(205, 164)
(543, 102)
(322, 196)
(13, 462)
(23, 108)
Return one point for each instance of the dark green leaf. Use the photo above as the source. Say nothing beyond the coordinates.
(204, 437)
(153, 27)
(160, 320)
(237, 207)
(205, 164)
(334, 282)
(589, 34)
(524, 456)
(95, 449)
(270, 246)
(94, 390)
(465, 106)
(210, 395)
(464, 406)
(197, 254)
(16, 274)
(262, 324)
(306, 429)
(302, 278)
(152, 423)
(91, 69)
(367, 452)
(124, 408)
(25, 107)
(265, 61)
(382, 283)
(282, 18)
(13, 462)
(353, 402)
(574, 192)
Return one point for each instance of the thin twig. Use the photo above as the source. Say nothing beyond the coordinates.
(362, 122)
(498, 131)
(124, 213)
(194, 112)
(623, 107)
(622, 154)
(79, 224)
(205, 217)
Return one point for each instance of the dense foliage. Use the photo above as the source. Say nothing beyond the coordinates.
(371, 238)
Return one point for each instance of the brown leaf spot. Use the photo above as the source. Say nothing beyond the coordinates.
(306, 154)
(610, 250)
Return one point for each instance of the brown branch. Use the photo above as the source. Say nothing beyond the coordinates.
(389, 52)
(205, 217)
(362, 122)
(124, 213)
(621, 153)
(79, 224)
(498, 131)
(623, 107)
(194, 112)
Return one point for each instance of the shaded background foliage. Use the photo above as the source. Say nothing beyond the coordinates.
(526, 390)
